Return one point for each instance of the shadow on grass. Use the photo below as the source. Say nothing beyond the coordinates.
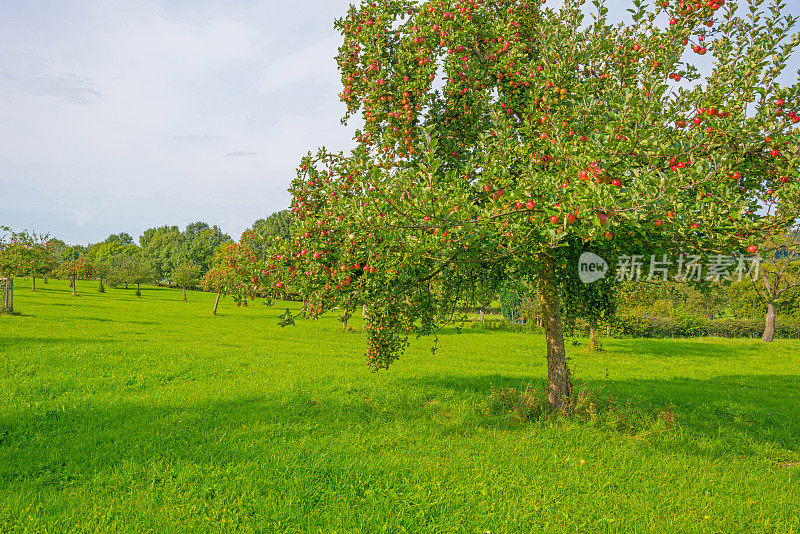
(733, 408)
(73, 341)
(718, 417)
(119, 321)
(684, 348)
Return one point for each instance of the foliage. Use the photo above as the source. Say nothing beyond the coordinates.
(677, 326)
(130, 268)
(78, 269)
(200, 244)
(167, 246)
(675, 298)
(63, 252)
(275, 227)
(236, 268)
(186, 274)
(286, 318)
(26, 254)
(162, 246)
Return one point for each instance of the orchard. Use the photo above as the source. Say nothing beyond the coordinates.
(497, 134)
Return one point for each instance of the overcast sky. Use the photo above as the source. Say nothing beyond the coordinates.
(123, 115)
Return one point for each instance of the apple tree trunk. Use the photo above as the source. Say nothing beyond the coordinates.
(74, 290)
(8, 296)
(216, 303)
(594, 340)
(769, 327)
(33, 288)
(184, 294)
(345, 318)
(558, 377)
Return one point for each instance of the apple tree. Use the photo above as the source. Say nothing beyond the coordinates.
(498, 132)
(80, 268)
(236, 269)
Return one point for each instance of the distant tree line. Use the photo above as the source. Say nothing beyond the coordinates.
(163, 255)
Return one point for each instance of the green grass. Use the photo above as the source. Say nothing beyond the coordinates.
(151, 415)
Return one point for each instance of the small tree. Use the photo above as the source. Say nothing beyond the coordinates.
(27, 254)
(779, 275)
(77, 269)
(186, 275)
(139, 270)
(237, 269)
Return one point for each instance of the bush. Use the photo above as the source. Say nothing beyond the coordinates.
(504, 325)
(647, 326)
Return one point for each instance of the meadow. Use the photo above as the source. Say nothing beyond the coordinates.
(149, 414)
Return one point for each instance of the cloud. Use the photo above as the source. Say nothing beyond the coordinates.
(67, 86)
(239, 154)
(196, 138)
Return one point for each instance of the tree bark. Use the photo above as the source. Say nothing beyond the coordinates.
(8, 296)
(34, 283)
(138, 291)
(216, 303)
(184, 294)
(44, 279)
(558, 377)
(594, 340)
(74, 293)
(769, 327)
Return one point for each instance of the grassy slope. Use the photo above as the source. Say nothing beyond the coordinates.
(118, 413)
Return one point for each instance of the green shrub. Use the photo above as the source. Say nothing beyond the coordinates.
(647, 326)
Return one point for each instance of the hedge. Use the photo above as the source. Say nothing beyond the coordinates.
(690, 326)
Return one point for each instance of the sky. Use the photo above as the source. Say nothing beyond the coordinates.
(124, 115)
(118, 116)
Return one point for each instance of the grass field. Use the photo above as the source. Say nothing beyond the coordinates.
(151, 415)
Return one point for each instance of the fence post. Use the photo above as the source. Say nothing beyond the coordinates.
(8, 295)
